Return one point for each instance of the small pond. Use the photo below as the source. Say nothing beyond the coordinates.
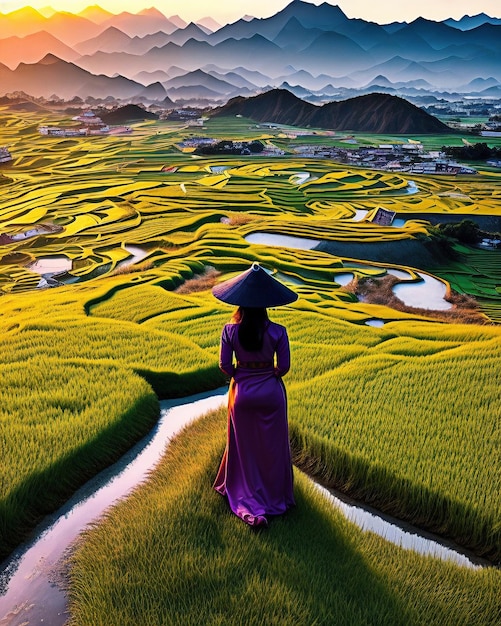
(284, 241)
(137, 254)
(428, 293)
(343, 278)
(377, 323)
(360, 214)
(51, 265)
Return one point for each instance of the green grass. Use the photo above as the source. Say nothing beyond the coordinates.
(405, 416)
(400, 432)
(173, 553)
(60, 425)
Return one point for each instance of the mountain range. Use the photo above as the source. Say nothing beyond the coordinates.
(315, 51)
(372, 113)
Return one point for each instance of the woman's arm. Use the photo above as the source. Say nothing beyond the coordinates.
(283, 355)
(226, 354)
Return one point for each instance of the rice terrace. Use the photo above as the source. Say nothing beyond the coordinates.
(108, 249)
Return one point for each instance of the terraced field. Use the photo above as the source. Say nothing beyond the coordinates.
(405, 416)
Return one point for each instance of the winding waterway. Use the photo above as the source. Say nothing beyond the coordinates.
(426, 293)
(31, 589)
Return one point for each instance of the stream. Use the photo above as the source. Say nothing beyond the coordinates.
(31, 583)
(427, 293)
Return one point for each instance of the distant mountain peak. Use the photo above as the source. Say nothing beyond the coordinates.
(210, 23)
(152, 12)
(50, 59)
(47, 11)
(177, 21)
(381, 80)
(25, 13)
(95, 14)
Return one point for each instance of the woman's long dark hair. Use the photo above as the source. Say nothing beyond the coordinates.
(251, 326)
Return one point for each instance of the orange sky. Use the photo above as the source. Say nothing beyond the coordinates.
(225, 11)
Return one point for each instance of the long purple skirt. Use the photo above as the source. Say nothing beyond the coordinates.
(256, 470)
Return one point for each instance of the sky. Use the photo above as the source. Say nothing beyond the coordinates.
(225, 11)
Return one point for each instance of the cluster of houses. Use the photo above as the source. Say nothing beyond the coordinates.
(190, 144)
(405, 157)
(399, 157)
(402, 157)
(88, 124)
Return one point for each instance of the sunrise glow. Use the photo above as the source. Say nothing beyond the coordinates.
(227, 11)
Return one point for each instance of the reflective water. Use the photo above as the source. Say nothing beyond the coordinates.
(429, 293)
(410, 539)
(29, 588)
(51, 265)
(344, 278)
(398, 223)
(360, 214)
(285, 241)
(299, 177)
(137, 254)
(377, 323)
(401, 274)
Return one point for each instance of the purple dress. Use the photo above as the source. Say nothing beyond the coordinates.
(256, 470)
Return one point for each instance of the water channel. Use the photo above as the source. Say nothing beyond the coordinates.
(427, 293)
(31, 589)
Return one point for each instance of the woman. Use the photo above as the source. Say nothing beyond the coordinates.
(256, 470)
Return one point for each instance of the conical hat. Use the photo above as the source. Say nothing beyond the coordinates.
(254, 288)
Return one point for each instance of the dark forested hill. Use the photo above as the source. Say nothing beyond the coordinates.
(128, 113)
(372, 113)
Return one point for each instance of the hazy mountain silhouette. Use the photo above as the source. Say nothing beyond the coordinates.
(256, 50)
(140, 24)
(154, 91)
(199, 93)
(192, 31)
(233, 78)
(305, 45)
(55, 76)
(95, 14)
(254, 77)
(66, 27)
(294, 36)
(177, 21)
(468, 22)
(147, 78)
(141, 45)
(15, 50)
(209, 23)
(373, 113)
(324, 17)
(333, 52)
(481, 83)
(200, 79)
(110, 40)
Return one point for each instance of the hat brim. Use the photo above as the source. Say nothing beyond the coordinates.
(254, 288)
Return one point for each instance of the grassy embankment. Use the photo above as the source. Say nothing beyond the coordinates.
(109, 193)
(173, 554)
(382, 387)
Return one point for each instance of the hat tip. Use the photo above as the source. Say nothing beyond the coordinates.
(255, 266)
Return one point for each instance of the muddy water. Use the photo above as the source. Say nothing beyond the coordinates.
(31, 591)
